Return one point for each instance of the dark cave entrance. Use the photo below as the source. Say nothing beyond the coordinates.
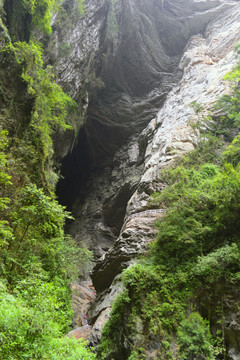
(79, 172)
(75, 171)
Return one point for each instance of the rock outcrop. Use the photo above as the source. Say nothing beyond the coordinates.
(112, 177)
(83, 295)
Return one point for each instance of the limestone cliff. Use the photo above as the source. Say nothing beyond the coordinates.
(154, 59)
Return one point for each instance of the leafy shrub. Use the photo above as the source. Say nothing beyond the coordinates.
(37, 260)
(221, 263)
(194, 339)
(30, 330)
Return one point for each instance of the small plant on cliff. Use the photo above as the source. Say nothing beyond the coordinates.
(194, 339)
(5, 182)
(40, 12)
(81, 6)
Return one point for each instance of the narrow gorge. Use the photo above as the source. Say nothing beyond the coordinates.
(143, 75)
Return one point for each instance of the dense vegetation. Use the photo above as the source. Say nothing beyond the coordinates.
(37, 260)
(176, 293)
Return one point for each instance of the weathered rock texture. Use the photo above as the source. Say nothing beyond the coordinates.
(83, 296)
(135, 46)
(136, 167)
(140, 50)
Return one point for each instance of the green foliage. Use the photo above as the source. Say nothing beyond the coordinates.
(50, 111)
(28, 326)
(4, 177)
(137, 355)
(198, 108)
(81, 6)
(38, 243)
(36, 262)
(152, 296)
(232, 153)
(194, 339)
(27, 18)
(64, 348)
(223, 263)
(5, 182)
(204, 212)
(41, 12)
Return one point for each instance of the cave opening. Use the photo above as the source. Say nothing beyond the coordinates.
(75, 171)
(87, 188)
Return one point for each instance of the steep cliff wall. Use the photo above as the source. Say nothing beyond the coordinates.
(149, 56)
(131, 50)
(120, 60)
(136, 49)
(206, 59)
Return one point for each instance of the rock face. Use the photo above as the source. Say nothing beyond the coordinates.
(120, 60)
(135, 47)
(124, 188)
(205, 61)
(83, 295)
(155, 59)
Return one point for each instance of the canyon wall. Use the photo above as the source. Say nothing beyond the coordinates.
(137, 66)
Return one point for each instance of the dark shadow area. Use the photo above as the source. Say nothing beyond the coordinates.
(75, 171)
(115, 213)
